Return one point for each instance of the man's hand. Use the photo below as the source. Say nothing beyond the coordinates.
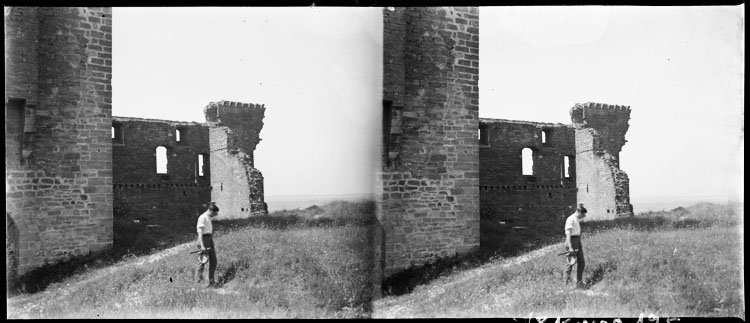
(200, 240)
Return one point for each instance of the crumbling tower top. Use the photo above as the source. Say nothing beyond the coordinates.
(589, 112)
(243, 120)
(610, 122)
(237, 186)
(600, 134)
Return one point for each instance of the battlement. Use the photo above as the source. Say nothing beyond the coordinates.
(595, 105)
(584, 114)
(214, 111)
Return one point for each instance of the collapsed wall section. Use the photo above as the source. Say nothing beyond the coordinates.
(58, 98)
(237, 186)
(171, 181)
(542, 195)
(600, 134)
(428, 190)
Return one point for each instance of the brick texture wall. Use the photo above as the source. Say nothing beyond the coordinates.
(137, 186)
(237, 186)
(428, 192)
(59, 188)
(545, 198)
(600, 134)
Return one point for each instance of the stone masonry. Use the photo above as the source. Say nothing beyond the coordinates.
(237, 186)
(58, 153)
(184, 190)
(600, 134)
(428, 192)
(61, 139)
(507, 195)
(442, 165)
(545, 198)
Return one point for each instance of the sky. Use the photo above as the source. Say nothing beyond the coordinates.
(680, 69)
(318, 71)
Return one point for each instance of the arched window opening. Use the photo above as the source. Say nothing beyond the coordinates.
(181, 135)
(387, 119)
(116, 133)
(161, 160)
(527, 161)
(566, 166)
(201, 165)
(484, 138)
(15, 111)
(544, 136)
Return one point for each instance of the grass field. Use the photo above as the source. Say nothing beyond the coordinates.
(685, 262)
(316, 263)
(303, 263)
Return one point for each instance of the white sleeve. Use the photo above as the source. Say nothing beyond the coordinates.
(201, 223)
(569, 224)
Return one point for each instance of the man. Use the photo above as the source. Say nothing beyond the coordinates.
(206, 244)
(573, 244)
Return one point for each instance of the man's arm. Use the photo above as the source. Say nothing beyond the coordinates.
(567, 238)
(200, 234)
(200, 238)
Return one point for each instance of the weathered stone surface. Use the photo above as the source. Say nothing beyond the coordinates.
(592, 144)
(545, 198)
(600, 134)
(182, 191)
(237, 187)
(428, 192)
(60, 172)
(58, 98)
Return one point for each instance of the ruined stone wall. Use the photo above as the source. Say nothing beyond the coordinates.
(543, 199)
(139, 189)
(600, 134)
(58, 98)
(428, 193)
(237, 186)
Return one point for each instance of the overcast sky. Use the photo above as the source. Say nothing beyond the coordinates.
(318, 71)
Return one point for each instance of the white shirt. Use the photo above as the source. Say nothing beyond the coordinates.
(204, 223)
(572, 224)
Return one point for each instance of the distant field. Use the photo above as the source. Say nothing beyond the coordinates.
(655, 204)
(278, 203)
(313, 263)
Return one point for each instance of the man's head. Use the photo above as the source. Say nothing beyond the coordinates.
(214, 209)
(581, 211)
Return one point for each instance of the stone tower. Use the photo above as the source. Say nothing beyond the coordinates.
(58, 146)
(236, 185)
(600, 134)
(428, 193)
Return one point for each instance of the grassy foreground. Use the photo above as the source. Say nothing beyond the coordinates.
(686, 262)
(316, 263)
(306, 263)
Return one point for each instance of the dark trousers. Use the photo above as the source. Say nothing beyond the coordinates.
(580, 262)
(208, 242)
